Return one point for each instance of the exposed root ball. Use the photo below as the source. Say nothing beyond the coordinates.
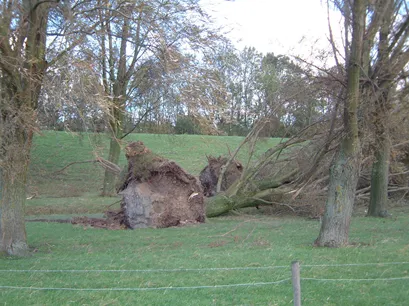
(210, 174)
(158, 192)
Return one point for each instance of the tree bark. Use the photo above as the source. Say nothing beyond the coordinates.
(21, 75)
(13, 192)
(341, 196)
(109, 177)
(345, 170)
(223, 203)
(246, 192)
(116, 131)
(379, 179)
(380, 168)
(1, 188)
(119, 83)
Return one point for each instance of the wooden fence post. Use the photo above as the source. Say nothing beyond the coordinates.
(295, 270)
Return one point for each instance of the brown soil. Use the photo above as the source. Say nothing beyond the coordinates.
(105, 223)
(209, 176)
(157, 192)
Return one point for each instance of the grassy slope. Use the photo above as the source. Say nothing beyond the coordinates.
(224, 242)
(53, 150)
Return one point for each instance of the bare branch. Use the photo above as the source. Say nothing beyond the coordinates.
(115, 169)
(138, 122)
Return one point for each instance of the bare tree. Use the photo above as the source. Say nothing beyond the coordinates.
(135, 39)
(30, 43)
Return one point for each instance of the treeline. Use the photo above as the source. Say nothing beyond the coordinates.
(235, 89)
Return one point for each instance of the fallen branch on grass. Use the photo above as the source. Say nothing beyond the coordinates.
(234, 229)
(111, 167)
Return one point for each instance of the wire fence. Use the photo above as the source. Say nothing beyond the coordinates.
(151, 288)
(195, 269)
(254, 284)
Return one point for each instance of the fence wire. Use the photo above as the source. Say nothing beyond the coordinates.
(150, 288)
(202, 270)
(194, 269)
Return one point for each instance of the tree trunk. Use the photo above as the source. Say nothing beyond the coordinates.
(380, 168)
(380, 177)
(345, 170)
(247, 192)
(116, 129)
(252, 188)
(341, 195)
(23, 39)
(117, 110)
(1, 188)
(109, 177)
(13, 192)
(222, 203)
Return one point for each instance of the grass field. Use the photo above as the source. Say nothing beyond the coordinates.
(53, 150)
(194, 265)
(256, 242)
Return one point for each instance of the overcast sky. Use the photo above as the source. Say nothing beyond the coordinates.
(279, 26)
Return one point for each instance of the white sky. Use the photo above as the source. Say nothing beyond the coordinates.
(278, 26)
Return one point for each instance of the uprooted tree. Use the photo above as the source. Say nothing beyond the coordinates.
(271, 180)
(157, 192)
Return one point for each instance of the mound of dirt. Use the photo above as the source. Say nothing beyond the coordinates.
(210, 174)
(157, 192)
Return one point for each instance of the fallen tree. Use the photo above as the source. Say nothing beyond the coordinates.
(264, 183)
(157, 192)
(295, 175)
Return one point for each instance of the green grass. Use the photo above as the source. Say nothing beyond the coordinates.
(247, 240)
(54, 150)
(235, 241)
(70, 205)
